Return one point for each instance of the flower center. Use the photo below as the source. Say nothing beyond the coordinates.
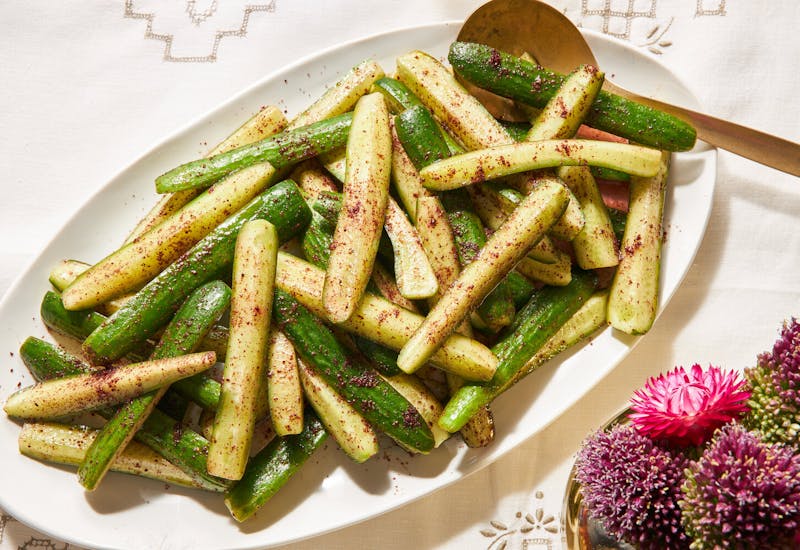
(687, 399)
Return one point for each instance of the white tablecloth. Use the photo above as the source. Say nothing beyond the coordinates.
(88, 86)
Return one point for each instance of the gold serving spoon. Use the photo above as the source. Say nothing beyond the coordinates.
(520, 26)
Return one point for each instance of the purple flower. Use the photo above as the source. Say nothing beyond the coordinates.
(632, 485)
(684, 408)
(742, 493)
(775, 388)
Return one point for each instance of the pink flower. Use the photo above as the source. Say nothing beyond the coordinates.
(685, 408)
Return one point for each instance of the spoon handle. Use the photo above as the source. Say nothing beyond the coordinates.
(763, 148)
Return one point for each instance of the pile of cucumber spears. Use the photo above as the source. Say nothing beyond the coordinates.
(388, 262)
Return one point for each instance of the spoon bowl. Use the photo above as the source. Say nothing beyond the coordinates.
(536, 28)
(523, 27)
(528, 26)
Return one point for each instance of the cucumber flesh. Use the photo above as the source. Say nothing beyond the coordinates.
(352, 432)
(67, 445)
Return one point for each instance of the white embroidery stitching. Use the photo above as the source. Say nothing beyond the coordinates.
(130, 13)
(200, 17)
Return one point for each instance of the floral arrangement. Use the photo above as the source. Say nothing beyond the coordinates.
(709, 458)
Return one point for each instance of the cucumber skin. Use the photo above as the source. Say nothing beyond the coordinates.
(548, 309)
(517, 130)
(180, 445)
(317, 240)
(196, 316)
(421, 137)
(520, 287)
(609, 174)
(470, 237)
(184, 333)
(328, 205)
(201, 389)
(77, 324)
(468, 230)
(273, 466)
(424, 144)
(211, 258)
(171, 439)
(528, 83)
(619, 220)
(383, 359)
(284, 149)
(398, 96)
(358, 383)
(44, 360)
(173, 404)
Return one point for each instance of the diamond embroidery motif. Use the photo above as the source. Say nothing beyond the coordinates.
(193, 30)
(618, 15)
(643, 23)
(200, 16)
(710, 7)
(42, 544)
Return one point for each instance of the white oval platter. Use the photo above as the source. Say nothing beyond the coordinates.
(330, 492)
